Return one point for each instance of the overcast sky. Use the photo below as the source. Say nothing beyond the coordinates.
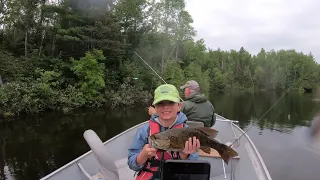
(256, 24)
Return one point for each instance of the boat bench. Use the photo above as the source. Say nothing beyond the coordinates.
(125, 173)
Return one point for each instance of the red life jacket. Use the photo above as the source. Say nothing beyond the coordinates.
(149, 170)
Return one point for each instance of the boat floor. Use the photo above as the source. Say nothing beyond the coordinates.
(126, 173)
(99, 176)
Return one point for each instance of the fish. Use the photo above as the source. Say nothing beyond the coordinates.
(174, 140)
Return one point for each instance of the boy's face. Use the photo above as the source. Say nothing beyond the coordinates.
(167, 110)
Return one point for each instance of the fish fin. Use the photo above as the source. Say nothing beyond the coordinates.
(205, 149)
(208, 131)
(226, 153)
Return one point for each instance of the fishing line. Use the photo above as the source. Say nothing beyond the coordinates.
(153, 70)
(150, 67)
(237, 139)
(261, 117)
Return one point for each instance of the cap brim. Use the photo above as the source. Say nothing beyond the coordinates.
(166, 98)
(182, 87)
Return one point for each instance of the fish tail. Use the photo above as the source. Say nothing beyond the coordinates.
(226, 153)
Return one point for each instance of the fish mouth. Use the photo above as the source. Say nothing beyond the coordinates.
(150, 141)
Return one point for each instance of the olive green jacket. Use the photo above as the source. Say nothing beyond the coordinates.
(197, 107)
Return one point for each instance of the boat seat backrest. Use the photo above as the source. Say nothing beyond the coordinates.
(107, 165)
(195, 124)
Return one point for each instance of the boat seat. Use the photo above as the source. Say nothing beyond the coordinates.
(98, 176)
(195, 124)
(125, 173)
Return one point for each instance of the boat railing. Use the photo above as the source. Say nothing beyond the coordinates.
(234, 133)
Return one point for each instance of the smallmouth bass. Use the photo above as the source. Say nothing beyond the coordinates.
(175, 139)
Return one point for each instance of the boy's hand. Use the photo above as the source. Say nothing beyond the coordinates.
(191, 146)
(148, 151)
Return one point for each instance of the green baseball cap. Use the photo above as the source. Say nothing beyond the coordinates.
(166, 92)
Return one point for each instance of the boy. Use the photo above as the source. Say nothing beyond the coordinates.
(196, 107)
(167, 105)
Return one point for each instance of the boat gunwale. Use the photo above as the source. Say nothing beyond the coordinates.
(120, 134)
(255, 150)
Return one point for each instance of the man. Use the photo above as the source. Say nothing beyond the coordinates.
(197, 107)
(167, 107)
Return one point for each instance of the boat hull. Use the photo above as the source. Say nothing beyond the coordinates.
(249, 164)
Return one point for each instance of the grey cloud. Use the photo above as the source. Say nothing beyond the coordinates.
(293, 25)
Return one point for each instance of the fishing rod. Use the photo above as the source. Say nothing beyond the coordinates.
(237, 139)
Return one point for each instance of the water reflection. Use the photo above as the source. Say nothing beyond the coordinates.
(33, 146)
(291, 111)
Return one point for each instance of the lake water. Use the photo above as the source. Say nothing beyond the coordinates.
(32, 147)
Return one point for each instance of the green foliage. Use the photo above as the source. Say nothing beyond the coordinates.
(173, 74)
(129, 94)
(219, 80)
(39, 95)
(90, 73)
(70, 98)
(71, 54)
(194, 72)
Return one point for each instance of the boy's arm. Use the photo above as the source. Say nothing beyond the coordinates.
(193, 156)
(140, 139)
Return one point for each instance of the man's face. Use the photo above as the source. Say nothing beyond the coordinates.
(167, 110)
(187, 92)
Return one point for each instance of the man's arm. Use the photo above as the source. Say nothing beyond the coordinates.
(151, 110)
(184, 107)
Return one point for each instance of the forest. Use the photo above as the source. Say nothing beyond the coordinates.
(60, 55)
